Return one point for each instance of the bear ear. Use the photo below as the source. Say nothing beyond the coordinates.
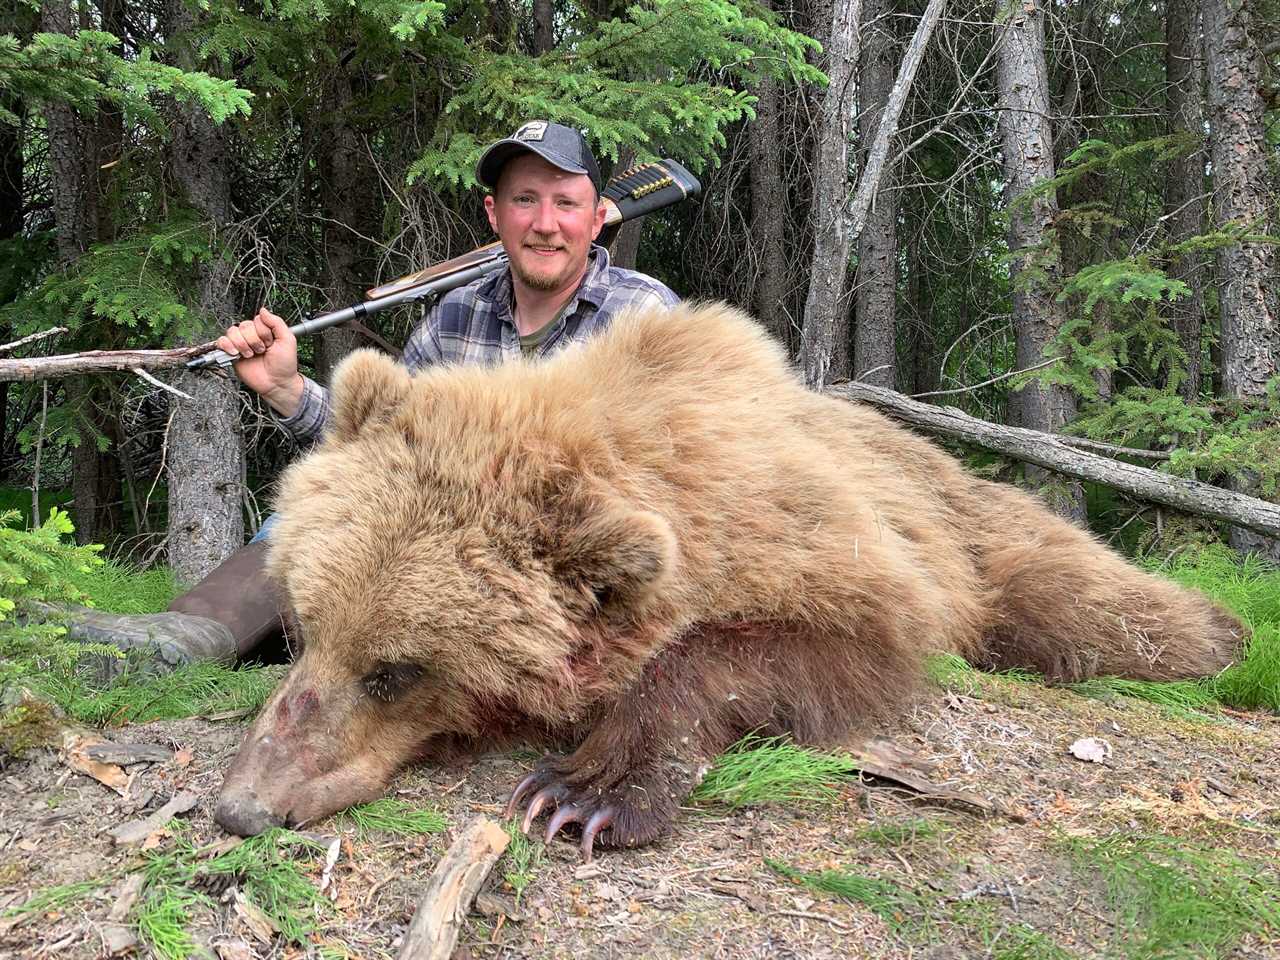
(367, 388)
(621, 556)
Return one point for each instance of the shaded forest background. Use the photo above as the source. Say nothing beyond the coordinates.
(1083, 192)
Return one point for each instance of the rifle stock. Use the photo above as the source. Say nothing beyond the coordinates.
(633, 193)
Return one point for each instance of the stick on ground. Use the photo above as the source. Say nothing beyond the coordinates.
(454, 884)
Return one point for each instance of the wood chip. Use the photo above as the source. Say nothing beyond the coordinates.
(126, 754)
(126, 893)
(136, 831)
(257, 922)
(75, 746)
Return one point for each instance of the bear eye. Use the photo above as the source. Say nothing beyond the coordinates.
(386, 681)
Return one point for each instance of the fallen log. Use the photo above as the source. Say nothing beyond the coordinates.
(1048, 451)
(444, 905)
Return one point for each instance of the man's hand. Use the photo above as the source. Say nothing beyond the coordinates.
(269, 360)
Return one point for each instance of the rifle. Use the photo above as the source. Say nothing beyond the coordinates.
(633, 193)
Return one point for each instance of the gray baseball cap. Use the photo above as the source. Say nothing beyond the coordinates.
(555, 143)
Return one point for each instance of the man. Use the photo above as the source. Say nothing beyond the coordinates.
(558, 287)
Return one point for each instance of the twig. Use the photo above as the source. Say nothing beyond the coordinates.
(97, 361)
(32, 338)
(161, 384)
(810, 916)
(986, 383)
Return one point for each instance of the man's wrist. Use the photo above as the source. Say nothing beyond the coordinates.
(286, 400)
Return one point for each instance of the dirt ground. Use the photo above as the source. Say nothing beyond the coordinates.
(707, 891)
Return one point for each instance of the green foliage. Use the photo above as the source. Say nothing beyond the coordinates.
(134, 285)
(265, 869)
(523, 857)
(1174, 898)
(36, 567)
(86, 70)
(668, 77)
(389, 815)
(759, 770)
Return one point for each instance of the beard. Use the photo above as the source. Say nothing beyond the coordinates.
(546, 280)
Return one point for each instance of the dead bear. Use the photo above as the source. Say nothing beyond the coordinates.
(644, 548)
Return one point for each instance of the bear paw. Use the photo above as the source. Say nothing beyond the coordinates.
(630, 813)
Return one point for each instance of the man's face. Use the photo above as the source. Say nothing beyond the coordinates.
(546, 219)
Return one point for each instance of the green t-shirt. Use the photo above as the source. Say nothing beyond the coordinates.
(530, 342)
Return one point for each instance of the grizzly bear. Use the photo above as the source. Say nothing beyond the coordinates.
(644, 548)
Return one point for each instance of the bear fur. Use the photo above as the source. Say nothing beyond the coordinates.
(644, 548)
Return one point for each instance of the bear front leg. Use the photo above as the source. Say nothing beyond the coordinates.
(652, 745)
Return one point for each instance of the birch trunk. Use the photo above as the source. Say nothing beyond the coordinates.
(1240, 185)
(876, 286)
(1027, 143)
(206, 448)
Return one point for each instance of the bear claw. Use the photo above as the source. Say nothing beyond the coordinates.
(594, 817)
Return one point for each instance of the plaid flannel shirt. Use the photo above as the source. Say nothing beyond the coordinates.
(475, 324)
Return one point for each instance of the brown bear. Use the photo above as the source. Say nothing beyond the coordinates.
(645, 548)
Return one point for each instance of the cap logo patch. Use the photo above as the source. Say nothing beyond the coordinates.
(533, 130)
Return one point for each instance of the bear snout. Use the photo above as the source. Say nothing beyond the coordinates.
(242, 813)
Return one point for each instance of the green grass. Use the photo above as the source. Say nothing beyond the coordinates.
(389, 815)
(198, 688)
(1173, 899)
(51, 898)
(897, 906)
(523, 858)
(900, 833)
(1002, 939)
(265, 869)
(772, 770)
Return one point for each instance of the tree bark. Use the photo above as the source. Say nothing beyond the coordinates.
(768, 209)
(1184, 189)
(543, 26)
(81, 218)
(825, 315)
(1027, 143)
(206, 449)
(876, 286)
(1240, 187)
(626, 245)
(345, 195)
(1054, 453)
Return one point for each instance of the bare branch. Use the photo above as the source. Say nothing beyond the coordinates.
(98, 361)
(32, 338)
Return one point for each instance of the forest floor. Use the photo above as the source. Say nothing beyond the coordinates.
(1169, 847)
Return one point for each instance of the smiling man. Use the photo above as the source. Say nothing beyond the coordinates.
(558, 287)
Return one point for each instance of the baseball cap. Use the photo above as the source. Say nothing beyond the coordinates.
(555, 143)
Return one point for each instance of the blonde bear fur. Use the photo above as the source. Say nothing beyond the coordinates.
(645, 547)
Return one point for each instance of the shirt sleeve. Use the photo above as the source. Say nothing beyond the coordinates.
(312, 416)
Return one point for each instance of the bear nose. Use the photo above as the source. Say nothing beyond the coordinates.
(243, 815)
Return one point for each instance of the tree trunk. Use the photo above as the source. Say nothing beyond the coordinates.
(345, 176)
(768, 210)
(543, 26)
(825, 313)
(876, 287)
(206, 448)
(1240, 187)
(82, 217)
(1027, 143)
(1184, 188)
